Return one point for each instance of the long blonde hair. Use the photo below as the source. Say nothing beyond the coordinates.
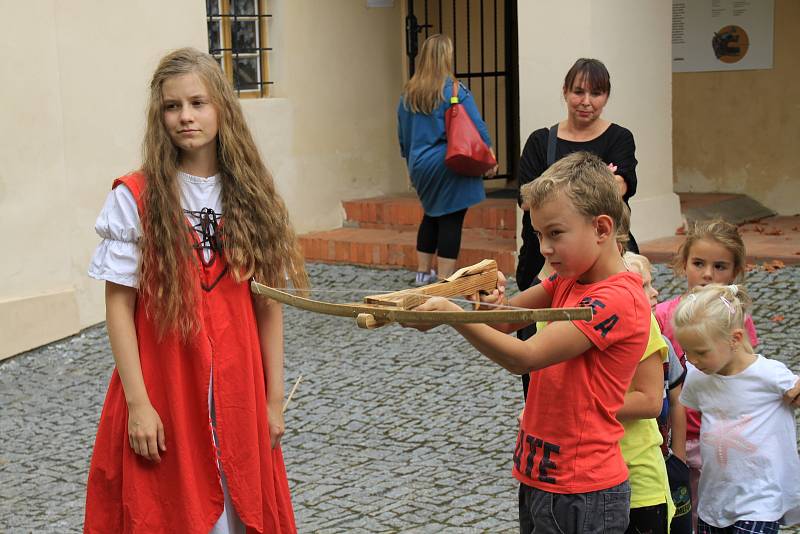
(424, 92)
(257, 237)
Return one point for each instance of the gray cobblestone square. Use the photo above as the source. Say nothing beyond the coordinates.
(391, 430)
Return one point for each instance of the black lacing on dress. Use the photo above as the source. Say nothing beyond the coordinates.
(207, 230)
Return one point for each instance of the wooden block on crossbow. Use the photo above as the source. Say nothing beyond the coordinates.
(466, 281)
(402, 300)
(368, 321)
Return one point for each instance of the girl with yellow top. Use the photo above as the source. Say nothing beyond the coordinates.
(651, 503)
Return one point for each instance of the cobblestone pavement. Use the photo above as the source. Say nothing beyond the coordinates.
(391, 430)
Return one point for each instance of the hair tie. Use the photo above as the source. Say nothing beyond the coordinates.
(727, 304)
(734, 289)
(691, 297)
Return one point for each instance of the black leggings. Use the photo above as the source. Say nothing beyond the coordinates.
(442, 234)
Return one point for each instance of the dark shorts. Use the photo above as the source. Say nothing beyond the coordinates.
(604, 511)
(679, 486)
(648, 520)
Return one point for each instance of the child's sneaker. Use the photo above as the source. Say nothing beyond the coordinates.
(424, 279)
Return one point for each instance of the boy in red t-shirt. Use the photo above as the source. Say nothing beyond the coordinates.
(567, 458)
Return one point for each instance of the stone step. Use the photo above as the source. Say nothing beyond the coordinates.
(404, 212)
(396, 248)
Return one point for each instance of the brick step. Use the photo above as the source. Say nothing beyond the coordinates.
(770, 239)
(392, 248)
(403, 212)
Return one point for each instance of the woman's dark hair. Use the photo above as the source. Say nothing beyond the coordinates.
(592, 72)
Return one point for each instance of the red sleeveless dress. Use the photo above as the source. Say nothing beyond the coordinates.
(183, 494)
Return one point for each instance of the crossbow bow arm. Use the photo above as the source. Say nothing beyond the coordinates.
(380, 314)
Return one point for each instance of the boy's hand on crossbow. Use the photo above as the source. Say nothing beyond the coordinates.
(432, 304)
(438, 304)
(497, 298)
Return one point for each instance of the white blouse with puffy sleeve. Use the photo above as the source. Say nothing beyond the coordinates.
(116, 258)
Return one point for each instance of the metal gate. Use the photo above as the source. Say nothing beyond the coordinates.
(484, 34)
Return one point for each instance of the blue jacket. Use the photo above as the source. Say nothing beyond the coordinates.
(423, 144)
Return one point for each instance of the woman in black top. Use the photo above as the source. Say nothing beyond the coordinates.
(587, 87)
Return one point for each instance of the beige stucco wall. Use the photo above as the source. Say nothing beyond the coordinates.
(74, 86)
(36, 250)
(329, 132)
(737, 131)
(78, 79)
(632, 37)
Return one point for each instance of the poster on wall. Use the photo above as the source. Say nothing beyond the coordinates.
(709, 35)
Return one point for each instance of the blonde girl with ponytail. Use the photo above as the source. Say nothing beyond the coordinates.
(750, 480)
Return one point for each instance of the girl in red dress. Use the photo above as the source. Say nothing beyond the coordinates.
(189, 435)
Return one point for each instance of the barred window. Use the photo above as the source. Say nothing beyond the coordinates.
(237, 38)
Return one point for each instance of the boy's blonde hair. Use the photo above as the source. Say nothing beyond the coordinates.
(724, 233)
(586, 181)
(712, 311)
(638, 262)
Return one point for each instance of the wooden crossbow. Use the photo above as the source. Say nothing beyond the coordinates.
(379, 310)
